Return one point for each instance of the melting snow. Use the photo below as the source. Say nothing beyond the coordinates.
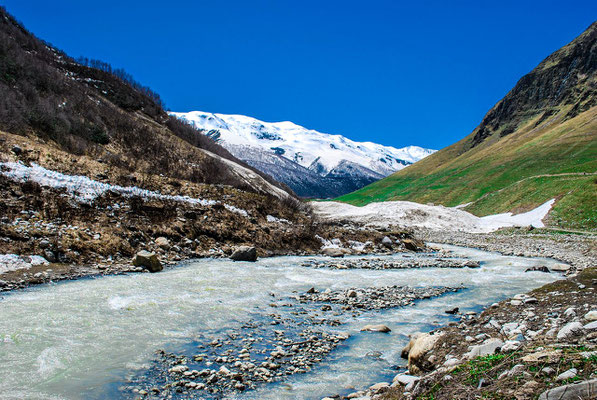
(414, 215)
(13, 262)
(86, 190)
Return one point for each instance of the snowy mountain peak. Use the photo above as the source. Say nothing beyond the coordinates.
(323, 154)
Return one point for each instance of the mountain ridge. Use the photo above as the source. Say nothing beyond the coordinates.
(338, 164)
(545, 125)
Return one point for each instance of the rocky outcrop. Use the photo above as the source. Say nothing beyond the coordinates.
(244, 253)
(563, 78)
(147, 260)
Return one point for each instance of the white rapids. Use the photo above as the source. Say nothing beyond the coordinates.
(80, 339)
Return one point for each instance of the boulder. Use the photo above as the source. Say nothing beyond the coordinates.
(591, 316)
(413, 244)
(376, 328)
(379, 386)
(147, 260)
(387, 242)
(590, 326)
(488, 347)
(569, 374)
(333, 252)
(560, 267)
(162, 242)
(411, 343)
(405, 379)
(244, 253)
(569, 330)
(575, 391)
(418, 360)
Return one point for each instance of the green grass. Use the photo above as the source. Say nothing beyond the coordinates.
(478, 367)
(575, 208)
(498, 175)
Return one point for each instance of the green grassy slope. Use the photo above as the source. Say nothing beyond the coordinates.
(543, 127)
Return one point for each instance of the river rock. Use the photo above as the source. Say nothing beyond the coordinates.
(488, 347)
(147, 260)
(49, 255)
(418, 360)
(579, 390)
(379, 386)
(405, 379)
(411, 343)
(386, 241)
(244, 253)
(376, 328)
(569, 330)
(413, 244)
(162, 242)
(332, 252)
(571, 373)
(591, 316)
(560, 267)
(590, 326)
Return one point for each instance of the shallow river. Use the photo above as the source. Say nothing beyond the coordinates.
(80, 339)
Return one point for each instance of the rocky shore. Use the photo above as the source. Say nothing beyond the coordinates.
(542, 344)
(578, 250)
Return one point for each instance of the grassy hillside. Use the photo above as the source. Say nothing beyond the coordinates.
(546, 126)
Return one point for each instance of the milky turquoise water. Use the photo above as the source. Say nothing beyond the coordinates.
(73, 340)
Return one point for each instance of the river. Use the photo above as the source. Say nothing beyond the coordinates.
(83, 339)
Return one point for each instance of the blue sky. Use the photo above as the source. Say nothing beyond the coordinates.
(397, 73)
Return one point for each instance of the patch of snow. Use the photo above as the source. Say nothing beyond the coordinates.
(85, 190)
(331, 244)
(459, 206)
(532, 218)
(271, 218)
(407, 214)
(13, 262)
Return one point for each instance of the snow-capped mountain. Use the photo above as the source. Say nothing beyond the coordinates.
(312, 163)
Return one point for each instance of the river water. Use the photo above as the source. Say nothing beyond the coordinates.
(81, 339)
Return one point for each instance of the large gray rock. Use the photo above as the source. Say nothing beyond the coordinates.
(570, 330)
(333, 252)
(575, 391)
(386, 241)
(147, 260)
(244, 253)
(590, 326)
(488, 347)
(591, 316)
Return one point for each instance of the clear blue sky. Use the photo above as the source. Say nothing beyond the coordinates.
(398, 73)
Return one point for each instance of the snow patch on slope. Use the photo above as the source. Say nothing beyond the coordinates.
(13, 262)
(86, 190)
(407, 214)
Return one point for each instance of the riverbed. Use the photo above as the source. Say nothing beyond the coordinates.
(86, 338)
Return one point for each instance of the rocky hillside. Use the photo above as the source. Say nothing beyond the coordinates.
(539, 142)
(86, 107)
(312, 163)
